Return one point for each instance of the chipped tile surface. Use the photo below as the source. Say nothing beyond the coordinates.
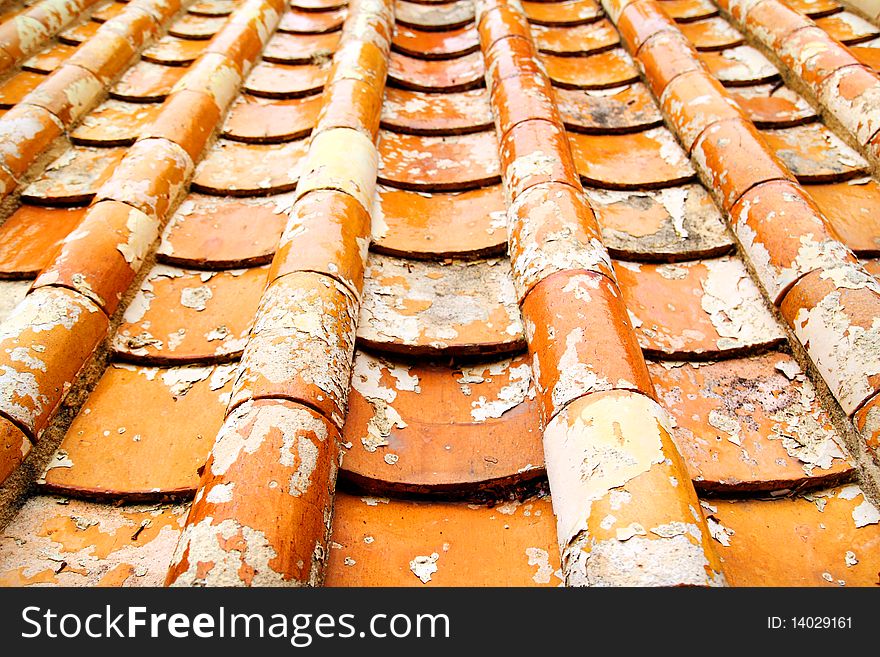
(449, 113)
(429, 163)
(119, 446)
(629, 108)
(676, 223)
(183, 316)
(61, 542)
(220, 231)
(74, 177)
(391, 262)
(770, 106)
(814, 154)
(643, 160)
(259, 169)
(390, 542)
(464, 307)
(575, 40)
(836, 531)
(750, 424)
(705, 308)
(479, 430)
(114, 123)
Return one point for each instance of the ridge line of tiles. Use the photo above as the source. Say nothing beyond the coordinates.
(52, 333)
(76, 86)
(833, 78)
(612, 467)
(26, 33)
(821, 289)
(269, 482)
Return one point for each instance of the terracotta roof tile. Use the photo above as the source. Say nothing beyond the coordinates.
(428, 163)
(417, 112)
(441, 447)
(740, 66)
(447, 44)
(173, 51)
(815, 8)
(285, 48)
(80, 33)
(181, 316)
(74, 177)
(750, 424)
(571, 12)
(114, 123)
(644, 160)
(31, 235)
(49, 59)
(772, 106)
(147, 82)
(576, 40)
(194, 26)
(118, 447)
(387, 542)
(712, 34)
(260, 169)
(848, 28)
(421, 307)
(270, 80)
(260, 120)
(674, 223)
(459, 74)
(408, 223)
(318, 5)
(815, 154)
(706, 308)
(611, 68)
(300, 22)
(220, 232)
(78, 543)
(629, 108)
(867, 55)
(291, 263)
(18, 86)
(439, 16)
(212, 7)
(850, 208)
(836, 546)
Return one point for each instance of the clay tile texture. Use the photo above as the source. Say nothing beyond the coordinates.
(411, 293)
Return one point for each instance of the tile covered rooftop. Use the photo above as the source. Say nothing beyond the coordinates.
(439, 293)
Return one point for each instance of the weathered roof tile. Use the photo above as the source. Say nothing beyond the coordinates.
(415, 276)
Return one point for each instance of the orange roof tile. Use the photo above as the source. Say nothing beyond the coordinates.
(331, 286)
